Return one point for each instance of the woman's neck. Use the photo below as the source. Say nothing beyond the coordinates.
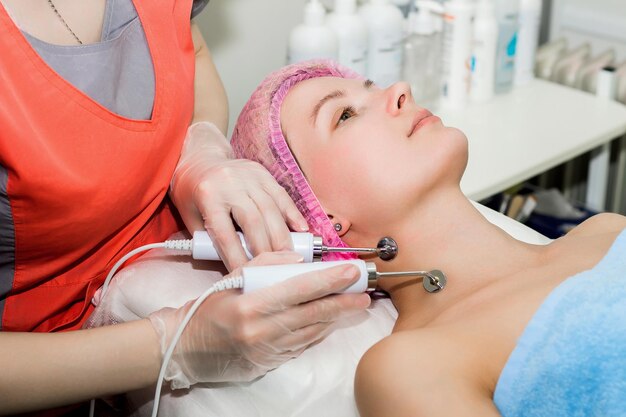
(448, 233)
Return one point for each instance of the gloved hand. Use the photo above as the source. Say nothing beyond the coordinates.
(235, 337)
(208, 187)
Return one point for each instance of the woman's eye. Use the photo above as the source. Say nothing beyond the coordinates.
(347, 113)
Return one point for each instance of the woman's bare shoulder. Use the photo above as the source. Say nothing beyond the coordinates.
(585, 245)
(600, 224)
(415, 373)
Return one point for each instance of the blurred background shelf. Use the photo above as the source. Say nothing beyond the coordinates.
(533, 128)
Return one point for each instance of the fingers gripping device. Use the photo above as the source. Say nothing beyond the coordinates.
(256, 277)
(310, 247)
(306, 244)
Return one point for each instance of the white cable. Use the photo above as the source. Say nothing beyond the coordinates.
(222, 285)
(183, 245)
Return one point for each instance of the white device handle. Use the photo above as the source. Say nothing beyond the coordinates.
(203, 248)
(256, 277)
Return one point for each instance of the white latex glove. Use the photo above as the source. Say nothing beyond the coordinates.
(208, 187)
(234, 337)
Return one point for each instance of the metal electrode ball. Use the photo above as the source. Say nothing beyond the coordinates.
(437, 281)
(387, 249)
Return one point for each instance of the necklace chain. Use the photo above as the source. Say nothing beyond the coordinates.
(63, 21)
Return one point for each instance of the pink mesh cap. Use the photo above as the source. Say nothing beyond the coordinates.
(258, 136)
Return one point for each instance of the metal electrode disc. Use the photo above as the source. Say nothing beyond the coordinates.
(432, 287)
(387, 249)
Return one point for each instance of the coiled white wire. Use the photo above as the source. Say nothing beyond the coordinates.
(224, 284)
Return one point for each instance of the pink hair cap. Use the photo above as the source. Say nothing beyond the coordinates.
(258, 136)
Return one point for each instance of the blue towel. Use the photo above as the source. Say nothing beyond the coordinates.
(571, 359)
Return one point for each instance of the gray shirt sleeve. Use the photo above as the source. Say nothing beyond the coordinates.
(198, 6)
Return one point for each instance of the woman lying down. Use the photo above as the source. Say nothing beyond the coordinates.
(520, 329)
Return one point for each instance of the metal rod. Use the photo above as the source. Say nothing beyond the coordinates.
(365, 250)
(405, 274)
(387, 249)
(436, 279)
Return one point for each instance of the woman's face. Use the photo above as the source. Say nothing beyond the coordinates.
(369, 154)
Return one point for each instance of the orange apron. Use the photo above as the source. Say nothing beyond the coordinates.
(85, 185)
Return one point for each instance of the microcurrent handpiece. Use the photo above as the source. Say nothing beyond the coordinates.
(253, 278)
(306, 244)
(256, 277)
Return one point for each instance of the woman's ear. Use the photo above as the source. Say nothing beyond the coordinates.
(340, 224)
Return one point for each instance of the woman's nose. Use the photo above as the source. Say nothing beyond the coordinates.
(398, 97)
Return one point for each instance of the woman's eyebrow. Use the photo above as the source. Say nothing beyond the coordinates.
(331, 96)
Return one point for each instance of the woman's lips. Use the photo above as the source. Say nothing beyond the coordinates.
(421, 120)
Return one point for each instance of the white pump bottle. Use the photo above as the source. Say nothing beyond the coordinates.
(385, 24)
(528, 39)
(422, 53)
(312, 39)
(457, 52)
(484, 52)
(351, 31)
(507, 14)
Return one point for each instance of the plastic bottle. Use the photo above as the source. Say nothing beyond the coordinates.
(484, 52)
(507, 14)
(421, 67)
(566, 69)
(620, 73)
(587, 77)
(457, 52)
(385, 25)
(527, 41)
(351, 31)
(402, 5)
(547, 56)
(439, 25)
(312, 39)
